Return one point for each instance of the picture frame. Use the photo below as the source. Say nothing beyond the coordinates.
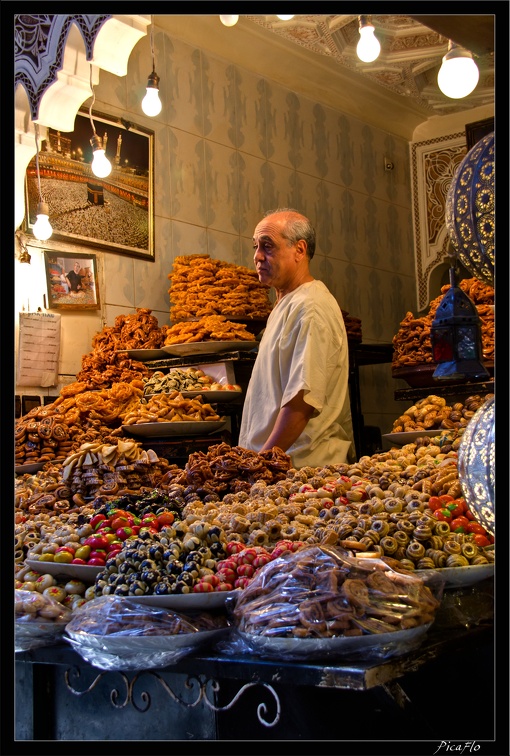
(71, 279)
(114, 214)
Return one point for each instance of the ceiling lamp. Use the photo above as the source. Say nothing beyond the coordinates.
(368, 47)
(151, 104)
(459, 74)
(229, 20)
(285, 18)
(101, 166)
(42, 229)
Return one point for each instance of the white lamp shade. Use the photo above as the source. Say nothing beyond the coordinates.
(229, 20)
(101, 166)
(42, 229)
(151, 104)
(458, 76)
(368, 47)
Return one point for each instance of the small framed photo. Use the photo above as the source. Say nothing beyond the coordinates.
(71, 279)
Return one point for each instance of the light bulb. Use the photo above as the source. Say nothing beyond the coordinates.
(151, 104)
(42, 227)
(368, 47)
(229, 20)
(285, 18)
(101, 166)
(459, 74)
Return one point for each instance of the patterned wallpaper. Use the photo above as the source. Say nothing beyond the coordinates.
(235, 145)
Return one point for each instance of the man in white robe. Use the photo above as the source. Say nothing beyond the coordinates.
(298, 395)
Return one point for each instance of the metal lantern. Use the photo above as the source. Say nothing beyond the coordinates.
(470, 210)
(456, 337)
(476, 465)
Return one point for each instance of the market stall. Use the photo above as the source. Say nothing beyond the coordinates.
(171, 585)
(152, 549)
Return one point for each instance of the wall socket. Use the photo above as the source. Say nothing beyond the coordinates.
(388, 164)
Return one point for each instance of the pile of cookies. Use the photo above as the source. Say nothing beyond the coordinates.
(352, 327)
(203, 286)
(432, 412)
(207, 328)
(105, 364)
(319, 592)
(170, 408)
(77, 416)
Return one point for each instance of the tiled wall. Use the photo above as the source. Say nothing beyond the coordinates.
(230, 145)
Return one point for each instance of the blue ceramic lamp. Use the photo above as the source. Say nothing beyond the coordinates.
(469, 214)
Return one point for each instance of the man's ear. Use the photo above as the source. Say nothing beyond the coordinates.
(301, 248)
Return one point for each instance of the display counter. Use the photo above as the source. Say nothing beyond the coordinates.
(213, 696)
(361, 355)
(451, 391)
(242, 363)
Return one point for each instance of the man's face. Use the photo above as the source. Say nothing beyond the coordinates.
(274, 257)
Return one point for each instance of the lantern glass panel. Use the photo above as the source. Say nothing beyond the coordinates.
(442, 344)
(466, 343)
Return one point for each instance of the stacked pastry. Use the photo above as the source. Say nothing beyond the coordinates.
(352, 326)
(203, 286)
(412, 344)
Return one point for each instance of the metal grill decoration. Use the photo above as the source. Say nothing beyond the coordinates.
(470, 210)
(39, 42)
(476, 465)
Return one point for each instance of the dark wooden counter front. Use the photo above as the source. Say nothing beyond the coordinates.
(211, 696)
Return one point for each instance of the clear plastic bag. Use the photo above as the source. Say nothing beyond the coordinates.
(40, 620)
(467, 607)
(119, 633)
(321, 602)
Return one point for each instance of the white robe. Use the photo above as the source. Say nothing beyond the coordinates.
(304, 346)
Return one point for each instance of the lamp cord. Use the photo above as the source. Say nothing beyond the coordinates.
(91, 104)
(152, 46)
(36, 131)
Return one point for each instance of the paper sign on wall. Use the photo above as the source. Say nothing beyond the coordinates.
(39, 348)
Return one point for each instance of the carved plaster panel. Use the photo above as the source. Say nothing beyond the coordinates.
(433, 165)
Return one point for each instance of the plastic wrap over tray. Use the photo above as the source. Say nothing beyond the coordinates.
(118, 633)
(319, 602)
(40, 620)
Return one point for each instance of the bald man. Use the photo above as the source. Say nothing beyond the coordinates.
(298, 394)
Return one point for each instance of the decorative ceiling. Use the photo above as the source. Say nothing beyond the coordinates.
(411, 51)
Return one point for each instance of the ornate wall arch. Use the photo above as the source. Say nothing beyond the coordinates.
(433, 165)
(53, 53)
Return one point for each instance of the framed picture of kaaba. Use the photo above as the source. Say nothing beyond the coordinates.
(115, 213)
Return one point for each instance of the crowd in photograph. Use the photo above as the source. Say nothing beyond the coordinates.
(114, 220)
